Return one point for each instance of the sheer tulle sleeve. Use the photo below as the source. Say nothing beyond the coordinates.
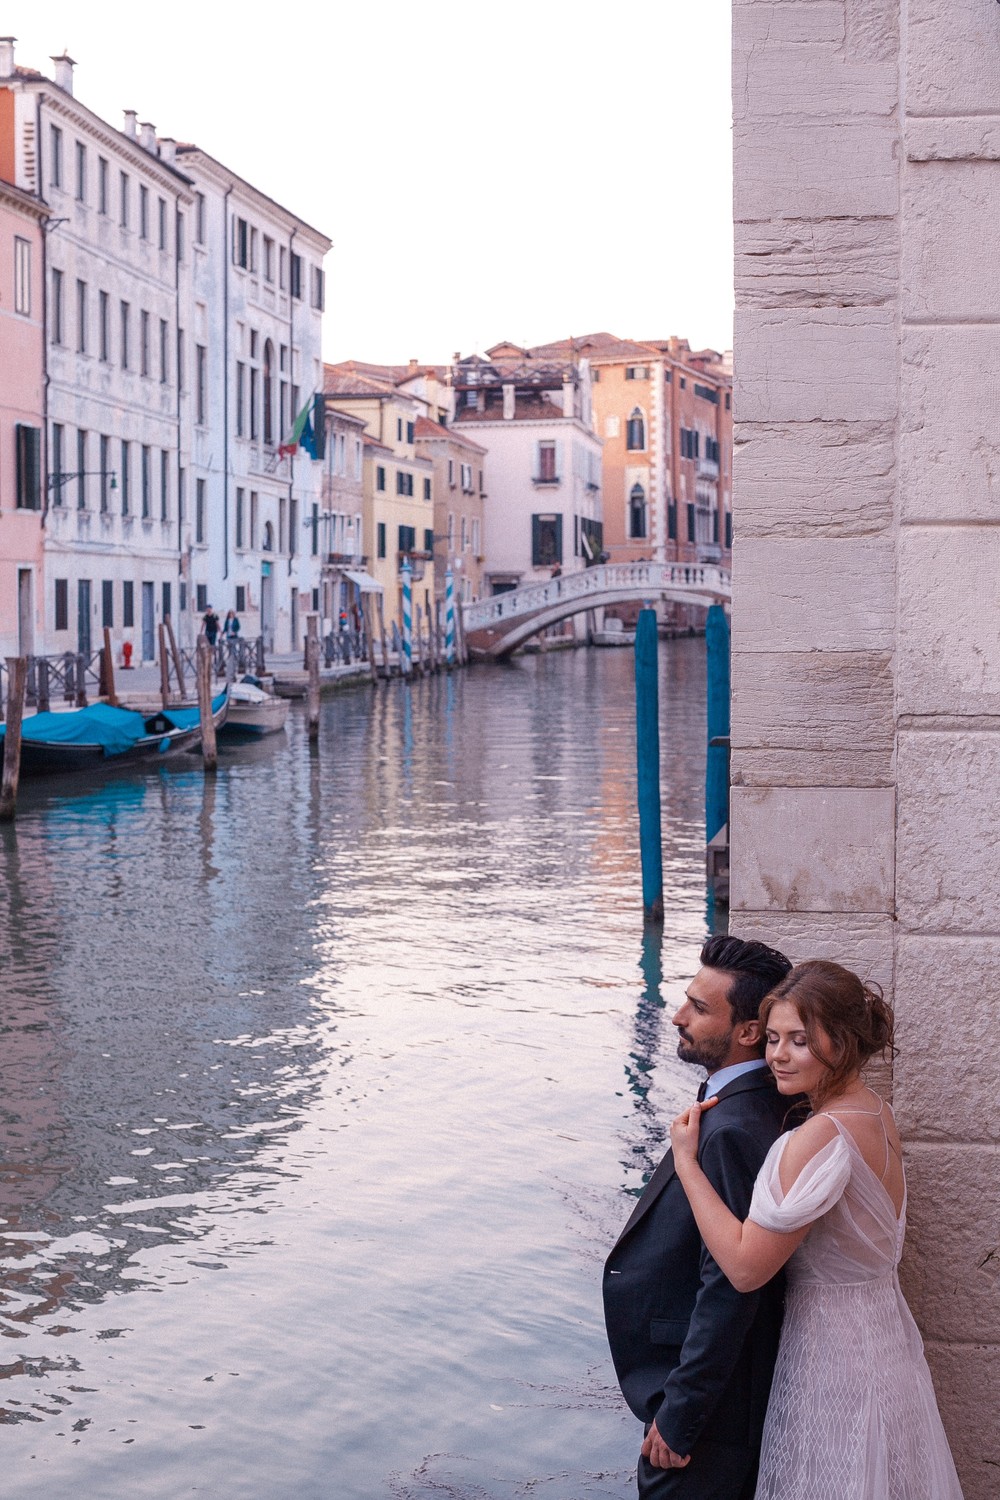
(813, 1193)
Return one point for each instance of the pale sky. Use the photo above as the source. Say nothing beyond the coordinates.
(526, 170)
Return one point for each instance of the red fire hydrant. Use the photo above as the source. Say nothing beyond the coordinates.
(127, 655)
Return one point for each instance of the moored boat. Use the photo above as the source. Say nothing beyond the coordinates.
(252, 711)
(85, 739)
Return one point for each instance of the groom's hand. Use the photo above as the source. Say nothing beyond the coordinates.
(659, 1454)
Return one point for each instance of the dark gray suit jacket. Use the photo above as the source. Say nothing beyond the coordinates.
(690, 1351)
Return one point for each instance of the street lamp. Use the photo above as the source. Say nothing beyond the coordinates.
(55, 480)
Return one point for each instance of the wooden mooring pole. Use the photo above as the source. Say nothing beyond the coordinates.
(164, 669)
(312, 666)
(367, 614)
(17, 681)
(647, 745)
(209, 748)
(717, 758)
(108, 670)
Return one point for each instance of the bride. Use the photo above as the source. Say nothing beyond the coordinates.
(852, 1414)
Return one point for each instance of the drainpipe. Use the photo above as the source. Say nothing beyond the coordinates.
(177, 362)
(292, 548)
(226, 253)
(46, 377)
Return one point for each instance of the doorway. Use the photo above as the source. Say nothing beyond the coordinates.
(148, 629)
(83, 616)
(25, 613)
(267, 606)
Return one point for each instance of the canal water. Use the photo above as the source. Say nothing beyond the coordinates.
(326, 1086)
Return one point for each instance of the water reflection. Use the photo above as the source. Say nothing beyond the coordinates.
(334, 1054)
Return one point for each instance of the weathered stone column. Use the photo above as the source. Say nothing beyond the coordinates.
(866, 615)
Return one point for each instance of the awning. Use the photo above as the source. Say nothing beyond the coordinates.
(365, 582)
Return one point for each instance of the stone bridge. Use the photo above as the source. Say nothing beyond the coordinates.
(497, 626)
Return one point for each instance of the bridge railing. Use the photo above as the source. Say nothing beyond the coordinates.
(630, 579)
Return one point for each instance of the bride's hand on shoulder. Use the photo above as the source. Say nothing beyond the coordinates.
(684, 1133)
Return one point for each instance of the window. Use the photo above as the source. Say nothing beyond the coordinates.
(253, 520)
(144, 342)
(240, 519)
(296, 275)
(104, 478)
(467, 478)
(357, 458)
(180, 360)
(637, 513)
(62, 603)
(29, 466)
(165, 596)
(672, 520)
(253, 250)
(147, 482)
(164, 485)
(126, 476)
(451, 473)
(635, 431)
(128, 604)
(314, 528)
(81, 317)
(404, 483)
(464, 533)
(380, 478)
(161, 223)
(319, 291)
(241, 243)
(22, 277)
(199, 218)
(427, 489)
(102, 185)
(636, 372)
(254, 387)
(199, 510)
(729, 529)
(58, 462)
(241, 598)
(179, 236)
(57, 306)
(399, 429)
(81, 469)
(143, 211)
(481, 490)
(201, 597)
(691, 523)
(268, 259)
(729, 401)
(55, 156)
(282, 268)
(104, 325)
(451, 531)
(293, 524)
(546, 463)
(546, 540)
(707, 393)
(123, 196)
(181, 496)
(428, 539)
(108, 604)
(269, 393)
(407, 538)
(282, 507)
(125, 311)
(164, 353)
(380, 546)
(241, 397)
(689, 443)
(201, 384)
(410, 429)
(81, 172)
(475, 536)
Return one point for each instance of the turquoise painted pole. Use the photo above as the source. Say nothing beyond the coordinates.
(647, 746)
(717, 756)
(407, 656)
(449, 617)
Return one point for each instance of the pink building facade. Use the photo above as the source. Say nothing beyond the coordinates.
(22, 466)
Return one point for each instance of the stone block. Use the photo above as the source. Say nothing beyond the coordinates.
(826, 364)
(807, 82)
(949, 620)
(823, 169)
(816, 21)
(951, 239)
(945, 1009)
(857, 940)
(963, 139)
(811, 768)
(813, 594)
(948, 834)
(812, 848)
(814, 478)
(951, 1267)
(964, 1374)
(951, 57)
(949, 440)
(872, 30)
(819, 262)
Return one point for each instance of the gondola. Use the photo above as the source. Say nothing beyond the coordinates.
(87, 739)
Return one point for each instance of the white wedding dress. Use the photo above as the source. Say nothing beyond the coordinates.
(852, 1414)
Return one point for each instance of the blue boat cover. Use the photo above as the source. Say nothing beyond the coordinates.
(188, 718)
(114, 729)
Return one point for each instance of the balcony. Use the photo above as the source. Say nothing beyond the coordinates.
(545, 480)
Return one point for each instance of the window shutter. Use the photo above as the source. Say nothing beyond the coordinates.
(559, 535)
(536, 542)
(690, 523)
(559, 475)
(29, 467)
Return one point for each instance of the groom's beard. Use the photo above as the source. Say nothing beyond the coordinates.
(709, 1053)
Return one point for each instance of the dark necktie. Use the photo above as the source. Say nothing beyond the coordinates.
(702, 1091)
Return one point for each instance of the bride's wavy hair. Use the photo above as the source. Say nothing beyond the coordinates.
(854, 1015)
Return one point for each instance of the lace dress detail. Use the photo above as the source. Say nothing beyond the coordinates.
(852, 1414)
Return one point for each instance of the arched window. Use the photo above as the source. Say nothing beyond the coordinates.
(635, 433)
(268, 392)
(637, 513)
(267, 544)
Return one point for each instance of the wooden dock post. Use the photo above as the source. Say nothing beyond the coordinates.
(717, 757)
(177, 659)
(312, 666)
(108, 671)
(385, 644)
(43, 686)
(81, 680)
(164, 669)
(17, 680)
(647, 746)
(209, 749)
(369, 623)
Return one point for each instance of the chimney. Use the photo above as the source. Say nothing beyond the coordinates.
(64, 66)
(7, 55)
(147, 137)
(131, 116)
(168, 150)
(509, 395)
(569, 403)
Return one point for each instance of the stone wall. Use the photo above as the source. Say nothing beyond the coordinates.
(866, 615)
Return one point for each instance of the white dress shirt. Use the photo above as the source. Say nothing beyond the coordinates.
(717, 1081)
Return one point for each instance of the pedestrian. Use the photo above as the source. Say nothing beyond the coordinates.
(231, 629)
(210, 625)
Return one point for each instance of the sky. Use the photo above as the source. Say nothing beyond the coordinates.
(525, 170)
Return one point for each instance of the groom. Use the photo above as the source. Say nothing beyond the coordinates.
(694, 1357)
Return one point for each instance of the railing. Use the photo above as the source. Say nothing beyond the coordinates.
(630, 580)
(344, 646)
(230, 659)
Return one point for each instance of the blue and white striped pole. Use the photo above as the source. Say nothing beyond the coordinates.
(449, 618)
(407, 662)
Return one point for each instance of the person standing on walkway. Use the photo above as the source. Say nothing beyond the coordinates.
(210, 625)
(695, 1357)
(231, 629)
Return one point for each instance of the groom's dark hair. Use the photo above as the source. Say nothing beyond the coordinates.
(755, 969)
